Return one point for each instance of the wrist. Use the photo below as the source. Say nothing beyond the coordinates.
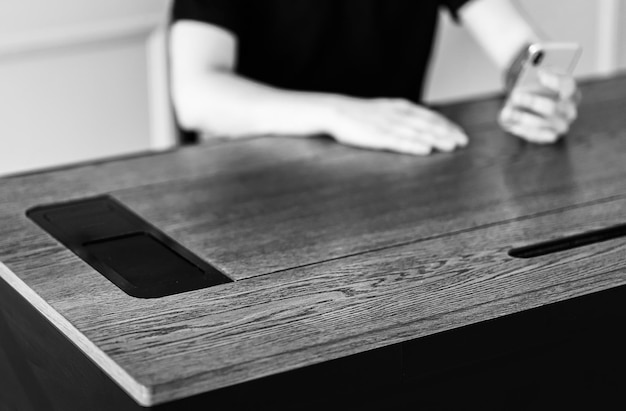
(325, 112)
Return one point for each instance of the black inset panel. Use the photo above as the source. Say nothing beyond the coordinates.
(129, 251)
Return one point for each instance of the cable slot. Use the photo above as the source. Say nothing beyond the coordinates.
(567, 243)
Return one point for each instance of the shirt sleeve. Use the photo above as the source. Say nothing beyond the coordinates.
(454, 6)
(222, 13)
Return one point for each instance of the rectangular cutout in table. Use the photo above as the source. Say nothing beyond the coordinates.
(133, 254)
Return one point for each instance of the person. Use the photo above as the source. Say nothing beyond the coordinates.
(351, 69)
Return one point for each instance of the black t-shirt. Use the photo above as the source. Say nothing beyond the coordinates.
(365, 48)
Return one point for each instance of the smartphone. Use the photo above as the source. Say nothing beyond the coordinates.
(551, 57)
(557, 58)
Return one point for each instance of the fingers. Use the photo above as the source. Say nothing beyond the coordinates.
(424, 119)
(408, 132)
(440, 137)
(546, 106)
(403, 145)
(526, 119)
(390, 139)
(401, 139)
(429, 120)
(542, 115)
(563, 85)
(395, 125)
(535, 134)
(568, 110)
(535, 103)
(411, 121)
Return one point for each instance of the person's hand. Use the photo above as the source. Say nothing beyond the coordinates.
(393, 125)
(542, 114)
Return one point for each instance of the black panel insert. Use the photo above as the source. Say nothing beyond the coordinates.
(126, 249)
(566, 243)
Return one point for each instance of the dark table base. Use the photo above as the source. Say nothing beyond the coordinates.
(564, 355)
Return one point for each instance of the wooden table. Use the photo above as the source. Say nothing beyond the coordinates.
(334, 252)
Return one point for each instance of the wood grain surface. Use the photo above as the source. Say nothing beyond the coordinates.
(336, 250)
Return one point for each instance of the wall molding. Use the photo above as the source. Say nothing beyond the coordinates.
(23, 44)
(608, 50)
(162, 123)
(621, 12)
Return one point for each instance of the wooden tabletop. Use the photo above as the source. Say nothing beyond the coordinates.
(334, 250)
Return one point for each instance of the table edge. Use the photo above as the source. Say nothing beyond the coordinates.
(139, 392)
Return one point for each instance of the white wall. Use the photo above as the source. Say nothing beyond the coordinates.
(74, 81)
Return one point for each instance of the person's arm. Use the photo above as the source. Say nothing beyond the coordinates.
(210, 97)
(504, 33)
(499, 28)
